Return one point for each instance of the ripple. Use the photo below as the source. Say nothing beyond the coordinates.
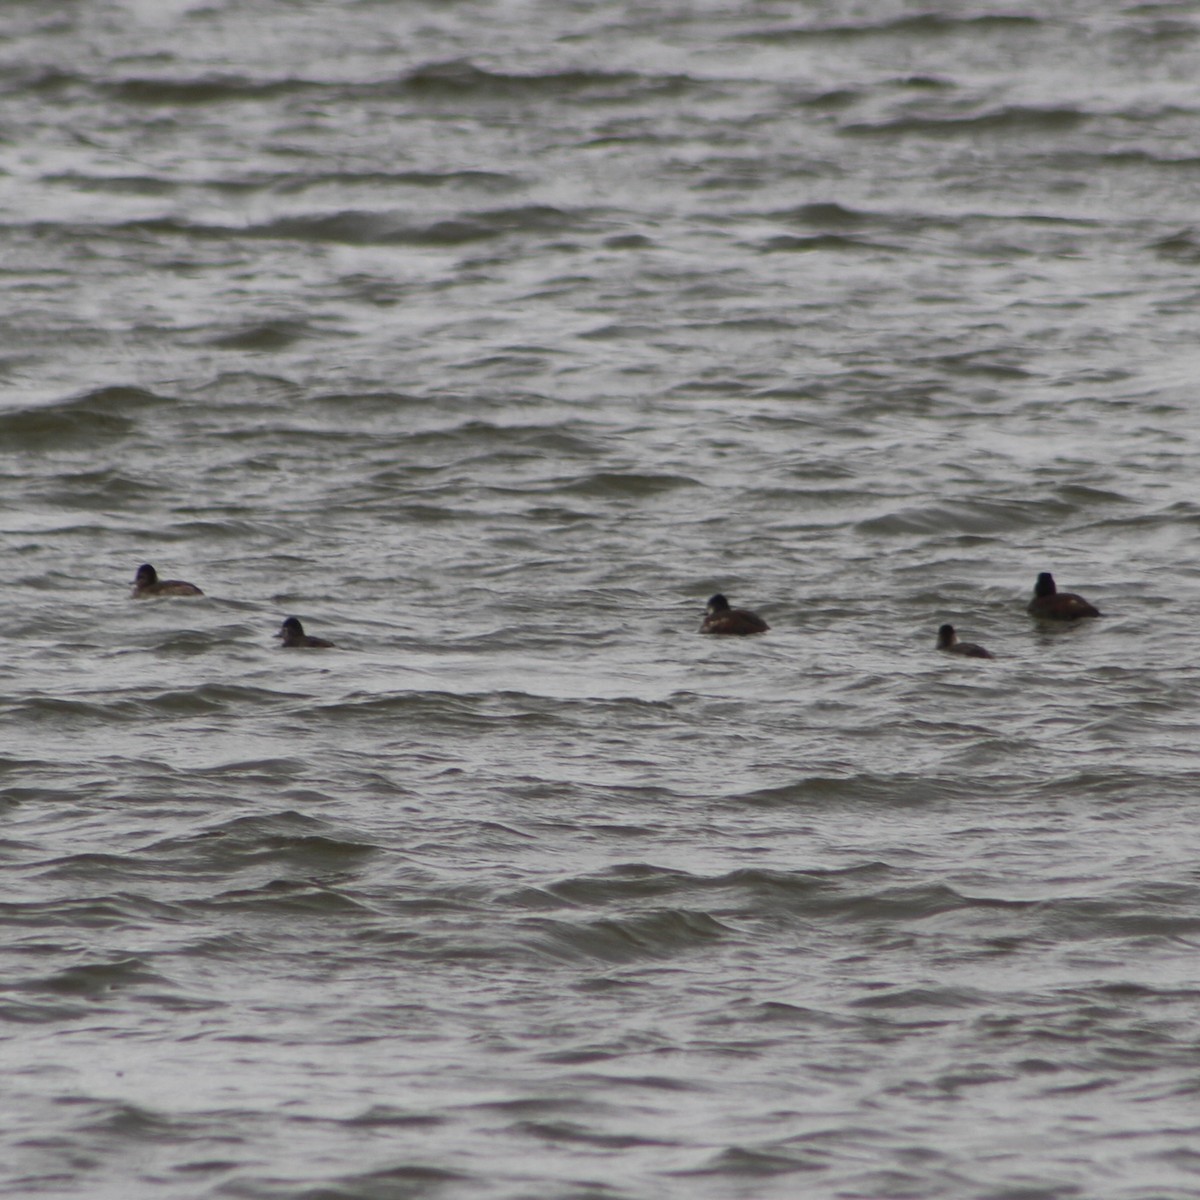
(103, 415)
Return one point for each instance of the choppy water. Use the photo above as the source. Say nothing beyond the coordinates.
(490, 340)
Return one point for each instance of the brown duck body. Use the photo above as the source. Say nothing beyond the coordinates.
(1049, 603)
(948, 641)
(147, 584)
(737, 622)
(294, 637)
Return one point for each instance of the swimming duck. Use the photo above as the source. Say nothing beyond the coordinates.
(720, 618)
(147, 583)
(948, 640)
(1049, 602)
(293, 635)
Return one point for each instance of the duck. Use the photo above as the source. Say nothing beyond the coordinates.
(948, 640)
(720, 618)
(1054, 605)
(147, 583)
(294, 637)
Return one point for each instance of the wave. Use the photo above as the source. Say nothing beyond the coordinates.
(283, 840)
(869, 892)
(1182, 247)
(168, 704)
(654, 935)
(106, 414)
(791, 243)
(456, 79)
(96, 979)
(928, 24)
(975, 517)
(264, 336)
(459, 78)
(213, 88)
(621, 485)
(1015, 118)
(354, 227)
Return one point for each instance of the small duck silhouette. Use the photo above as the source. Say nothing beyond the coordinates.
(147, 583)
(948, 640)
(1050, 603)
(720, 618)
(293, 635)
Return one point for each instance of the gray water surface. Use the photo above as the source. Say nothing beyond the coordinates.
(491, 340)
